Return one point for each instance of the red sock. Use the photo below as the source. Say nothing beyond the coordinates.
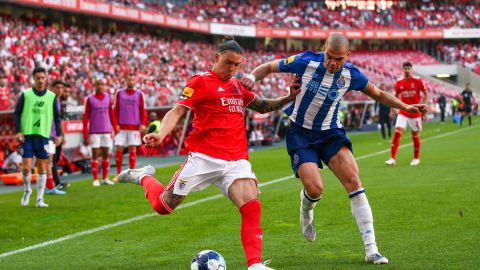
(416, 145)
(251, 232)
(50, 183)
(153, 191)
(132, 158)
(396, 142)
(94, 164)
(105, 167)
(119, 161)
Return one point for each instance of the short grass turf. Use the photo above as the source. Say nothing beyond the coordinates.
(426, 217)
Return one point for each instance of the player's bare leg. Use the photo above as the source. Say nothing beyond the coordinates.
(244, 194)
(309, 196)
(344, 166)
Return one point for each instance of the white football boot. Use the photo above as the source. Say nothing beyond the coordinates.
(40, 203)
(135, 175)
(26, 197)
(391, 162)
(306, 222)
(96, 183)
(415, 162)
(260, 266)
(108, 182)
(376, 258)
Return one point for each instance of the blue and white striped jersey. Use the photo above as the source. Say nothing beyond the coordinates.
(316, 106)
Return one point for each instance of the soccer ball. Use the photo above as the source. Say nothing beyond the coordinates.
(208, 260)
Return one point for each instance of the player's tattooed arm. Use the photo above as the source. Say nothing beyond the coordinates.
(264, 105)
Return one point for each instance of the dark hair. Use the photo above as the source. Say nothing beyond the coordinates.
(66, 84)
(38, 70)
(407, 64)
(229, 44)
(57, 81)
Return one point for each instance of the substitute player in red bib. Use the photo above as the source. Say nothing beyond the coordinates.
(217, 145)
(132, 118)
(408, 90)
(99, 113)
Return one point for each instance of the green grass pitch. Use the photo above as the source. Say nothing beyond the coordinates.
(426, 217)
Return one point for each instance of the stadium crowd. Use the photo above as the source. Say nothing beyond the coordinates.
(78, 58)
(467, 54)
(319, 14)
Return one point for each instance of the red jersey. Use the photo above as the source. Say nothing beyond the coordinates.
(4, 99)
(408, 91)
(218, 124)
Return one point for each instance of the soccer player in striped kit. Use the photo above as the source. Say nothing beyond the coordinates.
(131, 116)
(98, 124)
(315, 134)
(34, 114)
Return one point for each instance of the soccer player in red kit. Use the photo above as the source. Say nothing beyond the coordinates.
(98, 123)
(408, 90)
(131, 117)
(217, 146)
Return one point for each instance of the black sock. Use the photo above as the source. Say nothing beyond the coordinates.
(469, 120)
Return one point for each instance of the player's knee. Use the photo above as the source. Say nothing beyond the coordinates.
(353, 183)
(314, 190)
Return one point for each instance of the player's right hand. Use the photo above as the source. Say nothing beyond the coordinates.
(19, 136)
(248, 81)
(87, 141)
(152, 139)
(415, 108)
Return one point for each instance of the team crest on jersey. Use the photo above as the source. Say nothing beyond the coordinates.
(341, 82)
(188, 92)
(290, 59)
(182, 183)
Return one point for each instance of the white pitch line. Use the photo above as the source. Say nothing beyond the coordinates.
(126, 221)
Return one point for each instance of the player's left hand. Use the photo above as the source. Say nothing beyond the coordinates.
(415, 108)
(248, 82)
(142, 128)
(58, 140)
(295, 88)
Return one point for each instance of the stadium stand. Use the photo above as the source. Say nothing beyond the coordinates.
(297, 14)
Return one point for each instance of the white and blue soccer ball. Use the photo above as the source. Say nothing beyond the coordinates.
(208, 260)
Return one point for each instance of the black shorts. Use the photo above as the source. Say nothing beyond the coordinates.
(467, 108)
